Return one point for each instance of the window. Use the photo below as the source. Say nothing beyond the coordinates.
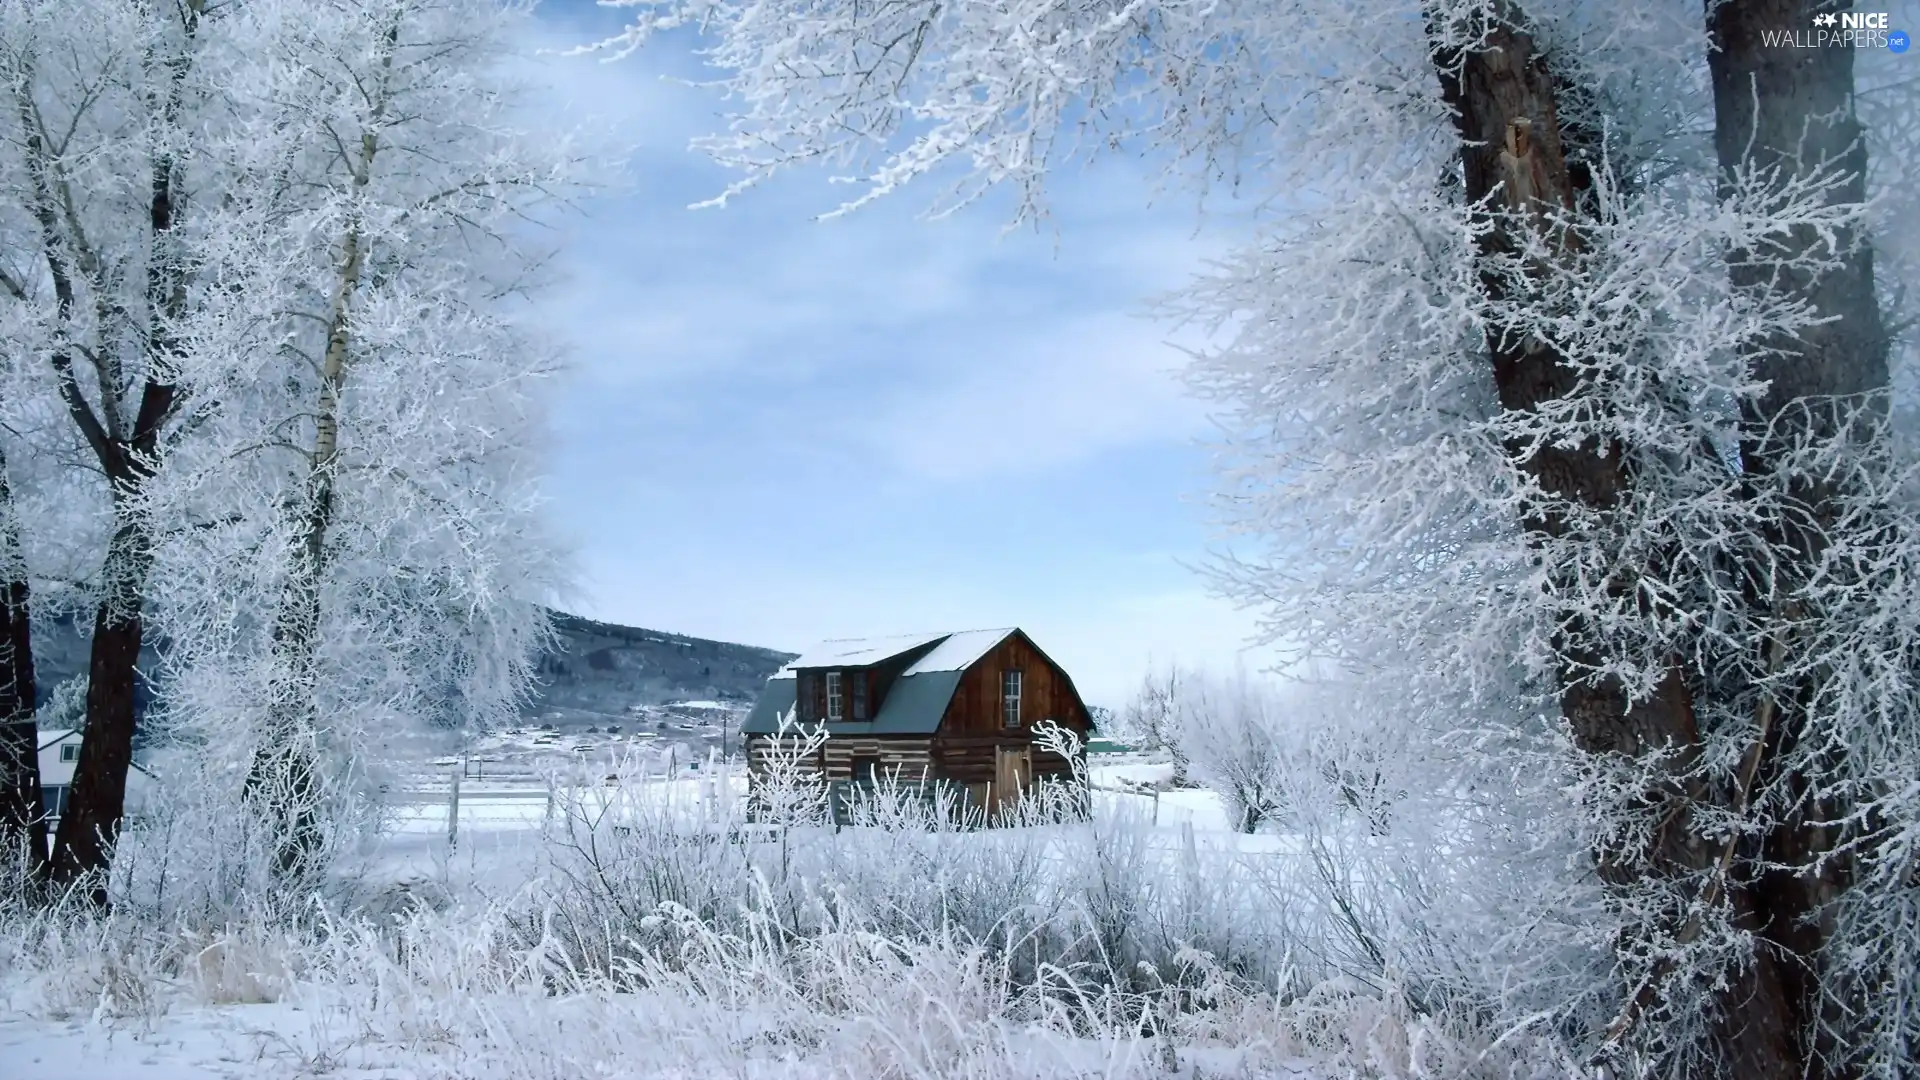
(70, 752)
(1010, 698)
(859, 695)
(833, 695)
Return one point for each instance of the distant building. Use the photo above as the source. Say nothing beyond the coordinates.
(59, 754)
(953, 708)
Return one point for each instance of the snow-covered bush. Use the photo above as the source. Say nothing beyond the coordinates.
(487, 993)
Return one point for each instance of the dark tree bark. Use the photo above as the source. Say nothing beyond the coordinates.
(1506, 99)
(1787, 114)
(125, 450)
(96, 802)
(1792, 110)
(21, 818)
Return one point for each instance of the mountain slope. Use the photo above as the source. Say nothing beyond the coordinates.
(597, 669)
(602, 668)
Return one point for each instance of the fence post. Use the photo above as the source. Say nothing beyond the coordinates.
(453, 812)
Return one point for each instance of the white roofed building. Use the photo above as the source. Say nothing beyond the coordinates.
(59, 755)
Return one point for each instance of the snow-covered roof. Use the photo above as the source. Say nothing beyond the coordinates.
(955, 651)
(914, 704)
(859, 652)
(959, 651)
(50, 736)
(52, 769)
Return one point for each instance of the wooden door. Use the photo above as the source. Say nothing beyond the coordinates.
(1012, 772)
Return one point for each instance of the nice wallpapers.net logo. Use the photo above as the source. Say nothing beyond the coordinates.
(1843, 30)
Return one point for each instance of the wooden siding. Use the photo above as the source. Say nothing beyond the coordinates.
(971, 733)
(1045, 693)
(971, 759)
(909, 755)
(810, 695)
(963, 760)
(759, 747)
(967, 748)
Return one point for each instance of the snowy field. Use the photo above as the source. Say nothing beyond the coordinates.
(453, 991)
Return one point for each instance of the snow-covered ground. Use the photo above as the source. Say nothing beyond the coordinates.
(460, 1007)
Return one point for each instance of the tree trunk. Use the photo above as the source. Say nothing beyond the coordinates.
(1504, 97)
(127, 455)
(284, 771)
(97, 800)
(22, 817)
(1790, 111)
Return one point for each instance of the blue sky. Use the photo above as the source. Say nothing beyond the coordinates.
(778, 429)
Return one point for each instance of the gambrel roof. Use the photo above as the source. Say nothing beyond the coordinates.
(915, 702)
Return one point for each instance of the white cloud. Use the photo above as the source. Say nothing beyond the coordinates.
(717, 294)
(1024, 401)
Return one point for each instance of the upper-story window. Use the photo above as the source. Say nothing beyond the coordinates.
(834, 700)
(70, 752)
(859, 688)
(1010, 698)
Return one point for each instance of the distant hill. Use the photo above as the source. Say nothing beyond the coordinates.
(598, 669)
(601, 669)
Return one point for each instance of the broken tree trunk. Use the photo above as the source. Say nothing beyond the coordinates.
(1503, 94)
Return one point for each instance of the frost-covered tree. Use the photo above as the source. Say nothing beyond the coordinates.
(109, 145)
(1149, 720)
(1230, 733)
(1554, 405)
(20, 798)
(280, 258)
(379, 561)
(20, 803)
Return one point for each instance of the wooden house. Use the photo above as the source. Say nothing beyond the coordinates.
(954, 708)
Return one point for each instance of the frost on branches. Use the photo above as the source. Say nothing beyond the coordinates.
(1563, 406)
(114, 344)
(328, 416)
(383, 478)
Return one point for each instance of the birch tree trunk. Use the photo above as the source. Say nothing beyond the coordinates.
(1506, 105)
(284, 769)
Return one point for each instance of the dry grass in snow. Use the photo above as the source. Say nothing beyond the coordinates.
(639, 942)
